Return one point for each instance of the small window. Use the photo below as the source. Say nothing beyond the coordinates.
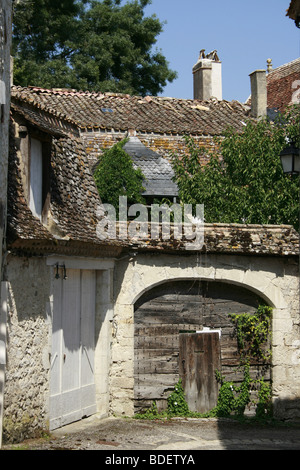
(39, 176)
(36, 178)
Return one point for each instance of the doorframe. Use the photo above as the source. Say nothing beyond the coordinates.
(104, 312)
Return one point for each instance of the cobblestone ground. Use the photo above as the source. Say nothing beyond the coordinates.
(115, 435)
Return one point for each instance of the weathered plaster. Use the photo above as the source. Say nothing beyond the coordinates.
(26, 397)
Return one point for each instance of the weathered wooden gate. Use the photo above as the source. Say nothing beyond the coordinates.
(72, 389)
(163, 313)
(199, 358)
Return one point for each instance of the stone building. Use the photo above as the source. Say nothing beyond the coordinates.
(97, 325)
(5, 42)
(52, 218)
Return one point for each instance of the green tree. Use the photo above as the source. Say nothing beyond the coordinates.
(115, 176)
(88, 44)
(44, 35)
(247, 184)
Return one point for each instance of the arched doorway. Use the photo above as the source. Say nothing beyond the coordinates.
(165, 315)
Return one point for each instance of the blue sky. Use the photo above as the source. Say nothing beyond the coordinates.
(244, 33)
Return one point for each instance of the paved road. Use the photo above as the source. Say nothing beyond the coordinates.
(184, 436)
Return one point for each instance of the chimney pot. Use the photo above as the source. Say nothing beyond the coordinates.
(207, 74)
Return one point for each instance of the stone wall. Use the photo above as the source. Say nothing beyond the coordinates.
(103, 336)
(28, 335)
(274, 279)
(164, 144)
(120, 283)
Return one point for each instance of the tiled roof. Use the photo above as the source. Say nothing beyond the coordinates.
(282, 85)
(44, 120)
(144, 114)
(158, 171)
(74, 202)
(74, 199)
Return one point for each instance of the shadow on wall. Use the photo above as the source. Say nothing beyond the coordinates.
(2, 371)
(287, 410)
(3, 319)
(280, 435)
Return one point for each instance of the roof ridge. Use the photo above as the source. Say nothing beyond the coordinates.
(55, 91)
(149, 114)
(45, 108)
(146, 98)
(284, 66)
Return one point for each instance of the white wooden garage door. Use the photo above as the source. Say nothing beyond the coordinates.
(72, 388)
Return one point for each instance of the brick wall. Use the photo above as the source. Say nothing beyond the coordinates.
(284, 91)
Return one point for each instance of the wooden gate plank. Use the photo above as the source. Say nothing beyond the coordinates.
(199, 357)
(164, 312)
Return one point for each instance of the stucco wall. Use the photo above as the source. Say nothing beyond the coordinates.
(275, 279)
(28, 335)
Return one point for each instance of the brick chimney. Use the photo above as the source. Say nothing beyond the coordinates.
(207, 74)
(258, 93)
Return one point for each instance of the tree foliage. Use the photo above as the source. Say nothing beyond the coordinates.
(115, 176)
(247, 184)
(88, 44)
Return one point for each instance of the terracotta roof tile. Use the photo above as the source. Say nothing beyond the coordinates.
(74, 197)
(148, 114)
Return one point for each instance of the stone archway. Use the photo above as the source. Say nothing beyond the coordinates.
(272, 278)
(163, 316)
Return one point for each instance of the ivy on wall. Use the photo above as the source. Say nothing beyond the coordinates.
(253, 333)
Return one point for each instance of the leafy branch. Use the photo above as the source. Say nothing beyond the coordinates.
(253, 332)
(243, 180)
